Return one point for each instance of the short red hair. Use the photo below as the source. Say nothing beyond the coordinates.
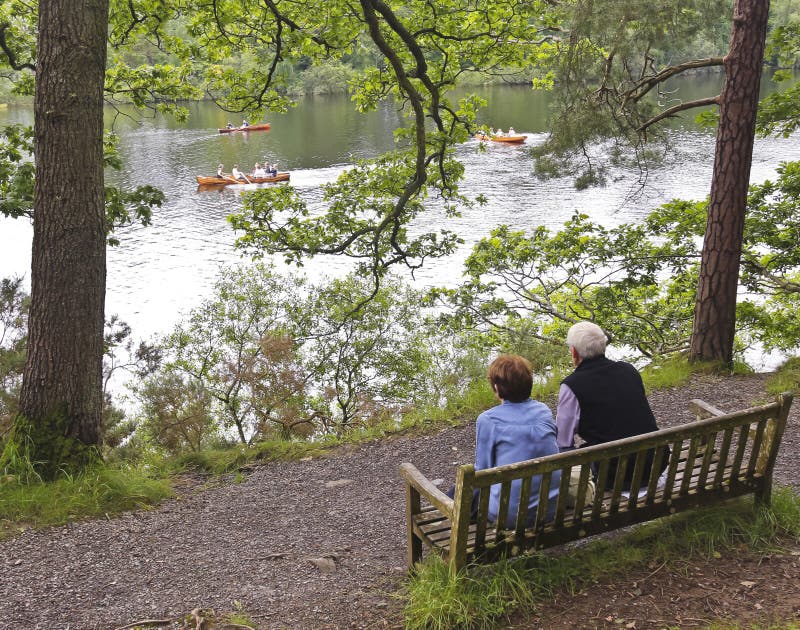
(512, 377)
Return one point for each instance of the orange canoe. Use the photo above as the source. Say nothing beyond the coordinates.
(506, 139)
(228, 180)
(259, 127)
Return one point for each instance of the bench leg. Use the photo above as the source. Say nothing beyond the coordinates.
(462, 511)
(414, 548)
(763, 497)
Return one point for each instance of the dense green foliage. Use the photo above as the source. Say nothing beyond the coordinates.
(271, 356)
(609, 76)
(13, 336)
(637, 281)
(779, 113)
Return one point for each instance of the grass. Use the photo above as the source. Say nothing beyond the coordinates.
(96, 492)
(677, 370)
(481, 596)
(672, 372)
(786, 378)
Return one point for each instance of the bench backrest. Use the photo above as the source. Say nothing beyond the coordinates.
(711, 459)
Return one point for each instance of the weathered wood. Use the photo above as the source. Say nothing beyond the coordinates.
(563, 492)
(689, 463)
(524, 494)
(702, 409)
(721, 456)
(482, 519)
(435, 497)
(461, 515)
(414, 542)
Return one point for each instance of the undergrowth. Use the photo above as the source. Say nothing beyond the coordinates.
(786, 378)
(479, 597)
(416, 421)
(25, 501)
(95, 492)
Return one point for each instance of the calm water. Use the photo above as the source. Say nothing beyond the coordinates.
(161, 271)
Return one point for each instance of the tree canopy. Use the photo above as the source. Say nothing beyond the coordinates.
(609, 63)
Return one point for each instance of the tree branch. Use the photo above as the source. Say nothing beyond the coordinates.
(12, 58)
(641, 88)
(703, 102)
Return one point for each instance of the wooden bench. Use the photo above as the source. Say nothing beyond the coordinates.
(719, 456)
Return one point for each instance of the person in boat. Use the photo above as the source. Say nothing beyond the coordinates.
(511, 131)
(273, 171)
(221, 171)
(237, 174)
(245, 123)
(258, 171)
(499, 132)
(229, 125)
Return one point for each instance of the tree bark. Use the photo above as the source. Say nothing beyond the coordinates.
(61, 395)
(715, 306)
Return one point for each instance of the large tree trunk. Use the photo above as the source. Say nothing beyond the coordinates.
(61, 396)
(715, 308)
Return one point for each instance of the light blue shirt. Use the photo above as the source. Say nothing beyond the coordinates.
(514, 432)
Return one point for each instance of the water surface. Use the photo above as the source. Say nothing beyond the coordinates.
(159, 272)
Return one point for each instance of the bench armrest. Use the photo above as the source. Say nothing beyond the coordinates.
(423, 485)
(704, 410)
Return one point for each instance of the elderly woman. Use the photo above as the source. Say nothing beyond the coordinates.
(517, 429)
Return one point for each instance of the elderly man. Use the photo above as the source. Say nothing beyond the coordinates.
(602, 400)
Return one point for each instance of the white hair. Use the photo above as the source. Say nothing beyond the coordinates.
(588, 339)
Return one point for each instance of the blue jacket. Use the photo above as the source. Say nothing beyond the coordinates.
(513, 432)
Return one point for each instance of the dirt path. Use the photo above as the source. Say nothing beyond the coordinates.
(309, 545)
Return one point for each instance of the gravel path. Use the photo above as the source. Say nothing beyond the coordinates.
(311, 544)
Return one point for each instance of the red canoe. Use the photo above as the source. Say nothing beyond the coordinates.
(259, 127)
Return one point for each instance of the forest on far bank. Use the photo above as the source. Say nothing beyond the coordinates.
(303, 75)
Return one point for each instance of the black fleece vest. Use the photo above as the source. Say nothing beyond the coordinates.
(613, 406)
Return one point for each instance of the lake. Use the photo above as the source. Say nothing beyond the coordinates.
(159, 272)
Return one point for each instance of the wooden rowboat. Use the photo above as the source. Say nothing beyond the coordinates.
(259, 127)
(507, 139)
(227, 180)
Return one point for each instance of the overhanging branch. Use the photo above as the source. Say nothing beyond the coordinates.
(703, 102)
(12, 58)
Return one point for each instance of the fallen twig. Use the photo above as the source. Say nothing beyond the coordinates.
(647, 577)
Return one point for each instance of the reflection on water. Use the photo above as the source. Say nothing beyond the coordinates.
(163, 270)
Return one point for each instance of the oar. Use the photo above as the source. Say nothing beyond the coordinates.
(231, 179)
(245, 179)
